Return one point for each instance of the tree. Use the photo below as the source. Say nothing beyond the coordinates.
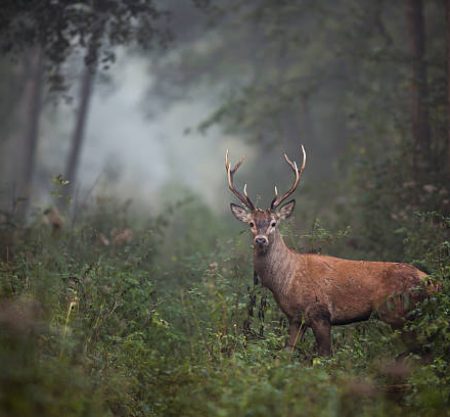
(419, 86)
(87, 80)
(33, 103)
(448, 85)
(60, 27)
(56, 29)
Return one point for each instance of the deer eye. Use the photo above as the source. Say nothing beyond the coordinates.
(252, 224)
(273, 224)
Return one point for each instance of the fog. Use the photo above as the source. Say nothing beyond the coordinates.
(131, 155)
(263, 93)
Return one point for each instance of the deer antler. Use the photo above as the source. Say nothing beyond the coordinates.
(230, 174)
(297, 172)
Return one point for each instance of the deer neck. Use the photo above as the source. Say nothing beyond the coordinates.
(274, 266)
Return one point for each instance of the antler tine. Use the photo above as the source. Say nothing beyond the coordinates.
(304, 160)
(230, 174)
(297, 172)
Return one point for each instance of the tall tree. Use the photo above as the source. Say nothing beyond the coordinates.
(60, 27)
(87, 81)
(448, 86)
(33, 105)
(79, 131)
(420, 122)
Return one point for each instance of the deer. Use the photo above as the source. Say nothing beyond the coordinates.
(317, 291)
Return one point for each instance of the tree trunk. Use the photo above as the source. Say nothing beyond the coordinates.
(448, 87)
(419, 89)
(79, 130)
(87, 81)
(32, 104)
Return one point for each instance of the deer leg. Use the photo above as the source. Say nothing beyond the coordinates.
(322, 333)
(320, 322)
(296, 333)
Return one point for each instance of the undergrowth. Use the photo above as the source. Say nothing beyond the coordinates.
(155, 328)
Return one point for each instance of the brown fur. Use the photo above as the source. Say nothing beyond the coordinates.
(320, 291)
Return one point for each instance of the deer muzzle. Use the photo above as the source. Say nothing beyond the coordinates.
(261, 241)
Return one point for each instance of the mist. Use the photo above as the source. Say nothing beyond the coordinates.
(132, 155)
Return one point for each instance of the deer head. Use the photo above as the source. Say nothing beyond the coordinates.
(263, 223)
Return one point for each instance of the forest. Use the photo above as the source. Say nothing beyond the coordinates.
(127, 286)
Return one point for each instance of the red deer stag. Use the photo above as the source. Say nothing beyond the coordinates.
(320, 291)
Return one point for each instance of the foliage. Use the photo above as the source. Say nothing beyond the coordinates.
(88, 329)
(61, 27)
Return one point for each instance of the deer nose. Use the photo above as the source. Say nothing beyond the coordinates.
(261, 240)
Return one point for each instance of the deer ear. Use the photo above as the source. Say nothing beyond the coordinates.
(240, 213)
(286, 210)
